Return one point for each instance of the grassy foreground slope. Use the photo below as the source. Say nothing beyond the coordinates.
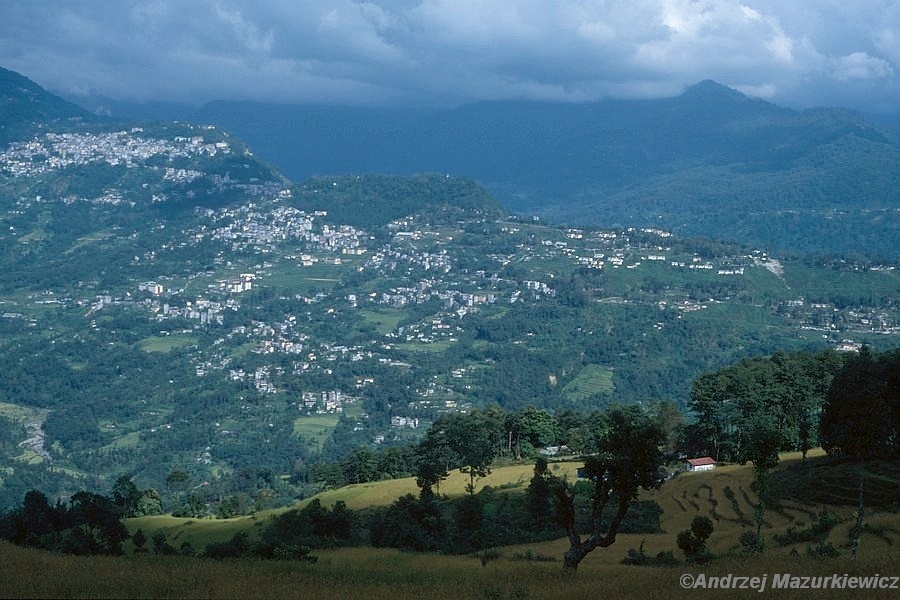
(724, 495)
(388, 575)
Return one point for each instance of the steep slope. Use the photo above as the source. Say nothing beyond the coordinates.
(23, 104)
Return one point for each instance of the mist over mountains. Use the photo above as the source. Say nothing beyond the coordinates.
(711, 162)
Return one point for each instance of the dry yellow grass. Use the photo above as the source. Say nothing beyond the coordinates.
(200, 532)
(373, 574)
(724, 495)
(392, 575)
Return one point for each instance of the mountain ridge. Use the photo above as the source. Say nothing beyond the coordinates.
(615, 162)
(23, 102)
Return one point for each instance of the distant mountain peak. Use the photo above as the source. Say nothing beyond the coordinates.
(711, 89)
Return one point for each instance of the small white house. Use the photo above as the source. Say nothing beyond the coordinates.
(704, 463)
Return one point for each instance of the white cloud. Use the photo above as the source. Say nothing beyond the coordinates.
(860, 65)
(246, 32)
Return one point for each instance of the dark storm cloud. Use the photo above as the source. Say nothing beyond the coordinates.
(802, 53)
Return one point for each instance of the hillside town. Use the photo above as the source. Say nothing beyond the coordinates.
(260, 239)
(56, 151)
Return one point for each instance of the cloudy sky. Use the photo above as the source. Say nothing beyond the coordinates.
(796, 53)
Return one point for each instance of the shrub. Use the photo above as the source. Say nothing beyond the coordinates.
(693, 542)
(639, 558)
(816, 532)
(236, 547)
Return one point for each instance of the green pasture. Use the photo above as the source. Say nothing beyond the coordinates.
(87, 240)
(291, 275)
(439, 346)
(315, 428)
(16, 412)
(590, 381)
(384, 320)
(166, 343)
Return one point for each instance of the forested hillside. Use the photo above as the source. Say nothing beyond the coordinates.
(174, 310)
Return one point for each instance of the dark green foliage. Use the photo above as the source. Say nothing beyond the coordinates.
(861, 418)
(194, 507)
(88, 524)
(823, 550)
(817, 531)
(751, 542)
(312, 526)
(469, 522)
(639, 558)
(409, 523)
(786, 390)
(237, 547)
(693, 541)
(161, 544)
(469, 443)
(139, 539)
(628, 457)
(126, 495)
(539, 495)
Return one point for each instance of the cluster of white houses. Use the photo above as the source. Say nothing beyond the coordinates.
(54, 151)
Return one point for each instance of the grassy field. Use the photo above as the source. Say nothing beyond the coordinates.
(591, 380)
(385, 320)
(440, 346)
(527, 571)
(315, 428)
(376, 574)
(304, 280)
(86, 240)
(166, 343)
(17, 413)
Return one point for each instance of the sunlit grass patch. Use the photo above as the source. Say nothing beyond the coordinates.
(315, 428)
(590, 381)
(166, 343)
(385, 321)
